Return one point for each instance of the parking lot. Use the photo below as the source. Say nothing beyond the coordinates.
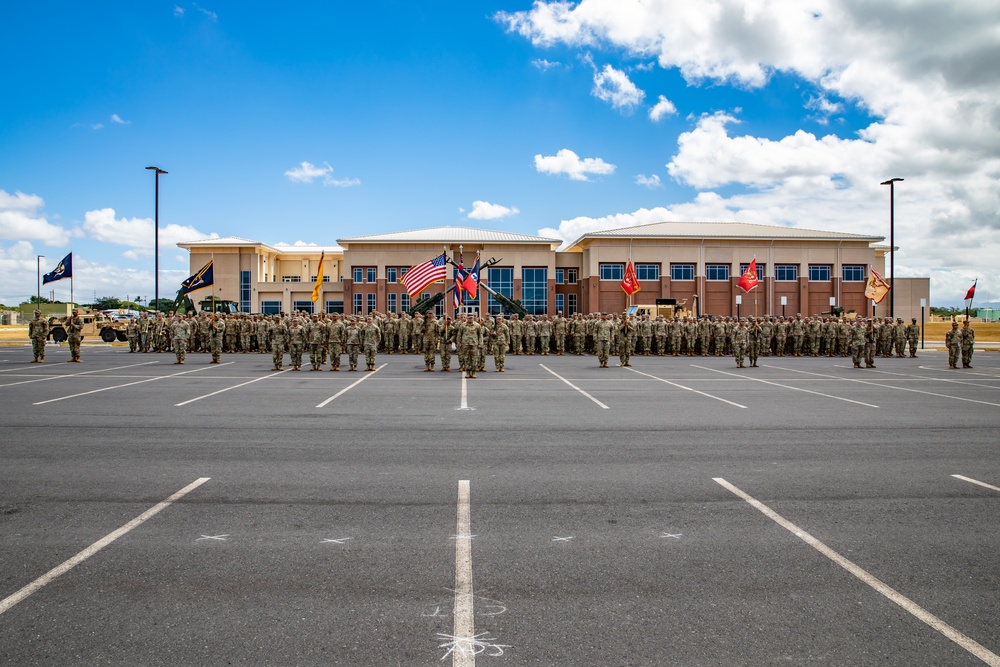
(679, 512)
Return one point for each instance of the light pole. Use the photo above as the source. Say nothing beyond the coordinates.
(892, 242)
(38, 304)
(156, 238)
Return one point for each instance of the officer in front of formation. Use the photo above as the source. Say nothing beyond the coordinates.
(38, 332)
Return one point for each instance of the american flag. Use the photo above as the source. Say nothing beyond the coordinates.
(420, 276)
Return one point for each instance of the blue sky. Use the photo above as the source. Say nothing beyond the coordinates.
(326, 120)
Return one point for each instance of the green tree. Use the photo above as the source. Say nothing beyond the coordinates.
(107, 303)
(37, 299)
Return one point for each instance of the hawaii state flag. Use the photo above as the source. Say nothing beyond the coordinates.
(971, 294)
(749, 278)
(630, 284)
(876, 288)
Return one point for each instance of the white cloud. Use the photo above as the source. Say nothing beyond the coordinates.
(482, 210)
(212, 16)
(307, 172)
(663, 107)
(178, 11)
(115, 118)
(546, 65)
(136, 233)
(21, 219)
(569, 163)
(649, 181)
(614, 86)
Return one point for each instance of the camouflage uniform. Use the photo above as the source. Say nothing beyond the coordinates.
(145, 329)
(602, 339)
(371, 336)
(432, 339)
(857, 343)
(968, 344)
(912, 337)
(132, 335)
(318, 336)
(516, 334)
(277, 337)
(180, 332)
(501, 334)
(740, 340)
(471, 341)
(336, 339)
(559, 330)
(530, 334)
(38, 331)
(447, 336)
(216, 332)
(545, 335)
(74, 329)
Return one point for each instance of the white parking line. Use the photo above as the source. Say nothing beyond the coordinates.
(222, 391)
(351, 386)
(69, 375)
(925, 377)
(129, 384)
(680, 386)
(464, 627)
(976, 481)
(46, 578)
(889, 386)
(778, 384)
(574, 386)
(465, 394)
(969, 644)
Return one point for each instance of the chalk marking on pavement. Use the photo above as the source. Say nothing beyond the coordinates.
(129, 384)
(219, 538)
(351, 386)
(49, 576)
(337, 540)
(69, 375)
(221, 391)
(969, 644)
(675, 536)
(786, 386)
(925, 377)
(562, 539)
(574, 386)
(976, 481)
(463, 646)
(889, 386)
(680, 386)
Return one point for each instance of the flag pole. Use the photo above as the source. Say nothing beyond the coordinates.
(38, 280)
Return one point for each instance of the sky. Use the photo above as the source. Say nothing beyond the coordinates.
(315, 121)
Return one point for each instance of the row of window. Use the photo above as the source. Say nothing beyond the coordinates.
(851, 273)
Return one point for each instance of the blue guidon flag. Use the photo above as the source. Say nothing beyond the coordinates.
(64, 270)
(203, 278)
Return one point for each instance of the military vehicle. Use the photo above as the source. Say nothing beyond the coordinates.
(94, 324)
(665, 307)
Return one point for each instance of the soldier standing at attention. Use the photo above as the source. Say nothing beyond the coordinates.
(912, 336)
(754, 342)
(432, 339)
(296, 343)
(530, 334)
(216, 331)
(38, 331)
(516, 334)
(559, 327)
(336, 341)
(446, 337)
(741, 337)
(180, 331)
(371, 336)
(352, 342)
(417, 334)
(501, 334)
(472, 340)
(857, 342)
(545, 334)
(317, 341)
(602, 339)
(144, 330)
(968, 342)
(74, 329)
(871, 344)
(953, 341)
(277, 336)
(132, 335)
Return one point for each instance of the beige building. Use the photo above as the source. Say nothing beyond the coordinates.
(800, 271)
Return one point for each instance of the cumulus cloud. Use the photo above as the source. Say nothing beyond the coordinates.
(650, 182)
(137, 234)
(569, 163)
(115, 118)
(482, 210)
(21, 219)
(307, 172)
(663, 107)
(613, 86)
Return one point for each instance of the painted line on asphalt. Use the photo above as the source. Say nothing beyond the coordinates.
(889, 386)
(222, 391)
(128, 384)
(976, 481)
(351, 386)
(940, 369)
(574, 386)
(465, 394)
(680, 386)
(969, 644)
(69, 375)
(924, 377)
(786, 386)
(59, 570)
(464, 626)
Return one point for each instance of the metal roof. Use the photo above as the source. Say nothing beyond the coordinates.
(450, 235)
(237, 241)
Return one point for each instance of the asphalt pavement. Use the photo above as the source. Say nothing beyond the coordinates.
(678, 512)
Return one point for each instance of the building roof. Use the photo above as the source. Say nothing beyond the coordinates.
(447, 235)
(237, 241)
(722, 230)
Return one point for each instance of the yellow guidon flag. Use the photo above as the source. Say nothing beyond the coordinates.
(319, 277)
(876, 288)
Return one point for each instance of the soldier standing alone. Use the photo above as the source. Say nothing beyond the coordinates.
(74, 328)
(38, 331)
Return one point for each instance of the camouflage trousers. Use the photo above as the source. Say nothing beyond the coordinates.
(370, 351)
(38, 348)
(295, 354)
(133, 343)
(545, 343)
(953, 352)
(529, 344)
(74, 347)
(446, 356)
(560, 344)
(967, 355)
(316, 355)
(578, 342)
(216, 348)
(180, 349)
(352, 355)
(857, 351)
(470, 358)
(739, 352)
(430, 353)
(336, 349)
(500, 356)
(603, 350)
(278, 355)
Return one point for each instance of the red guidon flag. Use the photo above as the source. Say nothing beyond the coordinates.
(749, 278)
(630, 284)
(971, 294)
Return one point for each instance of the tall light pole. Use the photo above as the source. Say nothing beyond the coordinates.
(156, 238)
(892, 242)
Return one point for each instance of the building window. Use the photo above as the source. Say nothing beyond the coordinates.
(854, 273)
(370, 275)
(390, 302)
(572, 276)
(682, 271)
(560, 303)
(717, 272)
(303, 306)
(244, 291)
(359, 275)
(312, 279)
(371, 304)
(612, 271)
(501, 281)
(359, 303)
(439, 309)
(647, 271)
(535, 290)
(560, 276)
(786, 272)
(291, 279)
(760, 270)
(819, 273)
(390, 274)
(270, 307)
(404, 302)
(570, 305)
(334, 307)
